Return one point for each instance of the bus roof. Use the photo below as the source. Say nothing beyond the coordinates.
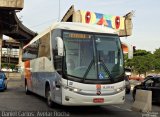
(83, 27)
(74, 26)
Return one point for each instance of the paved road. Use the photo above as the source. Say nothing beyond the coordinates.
(14, 99)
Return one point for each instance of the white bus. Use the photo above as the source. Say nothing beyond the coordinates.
(75, 64)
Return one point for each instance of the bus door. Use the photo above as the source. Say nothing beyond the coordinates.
(58, 89)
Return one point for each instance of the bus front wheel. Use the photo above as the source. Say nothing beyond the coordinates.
(48, 97)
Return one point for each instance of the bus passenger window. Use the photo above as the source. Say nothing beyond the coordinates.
(44, 46)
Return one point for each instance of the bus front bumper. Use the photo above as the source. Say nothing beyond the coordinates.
(74, 99)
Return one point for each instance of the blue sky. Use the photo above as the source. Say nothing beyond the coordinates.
(39, 14)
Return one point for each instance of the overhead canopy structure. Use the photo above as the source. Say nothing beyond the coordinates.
(121, 24)
(127, 49)
(10, 25)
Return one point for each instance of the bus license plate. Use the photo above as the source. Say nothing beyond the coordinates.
(98, 100)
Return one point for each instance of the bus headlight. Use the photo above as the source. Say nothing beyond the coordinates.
(72, 88)
(76, 90)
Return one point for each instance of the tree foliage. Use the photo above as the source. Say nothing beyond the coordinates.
(144, 61)
(157, 60)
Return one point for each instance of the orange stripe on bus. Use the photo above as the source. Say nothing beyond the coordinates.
(28, 72)
(98, 86)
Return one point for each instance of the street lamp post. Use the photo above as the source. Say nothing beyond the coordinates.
(59, 15)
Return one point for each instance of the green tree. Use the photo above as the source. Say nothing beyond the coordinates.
(157, 60)
(142, 62)
(157, 53)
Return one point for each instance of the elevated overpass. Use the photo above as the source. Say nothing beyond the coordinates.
(11, 26)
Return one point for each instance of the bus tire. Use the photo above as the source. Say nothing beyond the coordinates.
(6, 87)
(48, 97)
(26, 88)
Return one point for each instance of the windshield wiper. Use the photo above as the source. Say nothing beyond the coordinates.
(106, 69)
(88, 69)
(104, 66)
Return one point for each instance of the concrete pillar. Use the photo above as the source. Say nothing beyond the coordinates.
(20, 55)
(1, 39)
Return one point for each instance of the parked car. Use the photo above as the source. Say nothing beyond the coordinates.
(128, 85)
(3, 81)
(153, 75)
(152, 84)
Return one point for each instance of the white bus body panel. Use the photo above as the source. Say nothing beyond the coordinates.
(88, 93)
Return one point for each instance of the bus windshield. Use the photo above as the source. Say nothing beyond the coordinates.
(92, 56)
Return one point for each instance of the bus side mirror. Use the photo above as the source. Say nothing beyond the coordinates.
(59, 46)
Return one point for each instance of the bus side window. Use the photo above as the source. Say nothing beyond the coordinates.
(30, 52)
(44, 46)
